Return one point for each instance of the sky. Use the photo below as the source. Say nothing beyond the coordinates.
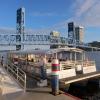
(47, 15)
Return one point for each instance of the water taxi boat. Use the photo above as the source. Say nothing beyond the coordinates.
(72, 61)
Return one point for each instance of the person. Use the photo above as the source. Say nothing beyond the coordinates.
(66, 59)
(2, 60)
(49, 60)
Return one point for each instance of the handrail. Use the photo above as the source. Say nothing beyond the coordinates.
(73, 64)
(19, 74)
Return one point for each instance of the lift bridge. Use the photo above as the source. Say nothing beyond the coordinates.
(36, 39)
(30, 39)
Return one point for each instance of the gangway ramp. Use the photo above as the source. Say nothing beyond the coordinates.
(8, 85)
(80, 77)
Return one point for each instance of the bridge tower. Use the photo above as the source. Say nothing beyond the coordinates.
(71, 33)
(20, 26)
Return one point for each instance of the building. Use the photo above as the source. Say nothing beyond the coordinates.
(20, 26)
(55, 34)
(75, 34)
(71, 33)
(79, 32)
(54, 38)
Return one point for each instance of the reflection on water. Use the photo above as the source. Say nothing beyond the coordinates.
(88, 91)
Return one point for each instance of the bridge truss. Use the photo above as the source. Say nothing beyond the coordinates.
(36, 39)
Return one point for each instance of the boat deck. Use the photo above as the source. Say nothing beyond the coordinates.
(80, 77)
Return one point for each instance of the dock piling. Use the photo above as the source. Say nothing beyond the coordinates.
(55, 77)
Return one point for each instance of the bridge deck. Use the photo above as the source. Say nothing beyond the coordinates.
(80, 77)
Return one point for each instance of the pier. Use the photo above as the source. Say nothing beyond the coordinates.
(11, 90)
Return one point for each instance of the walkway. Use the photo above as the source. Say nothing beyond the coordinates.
(8, 85)
(9, 90)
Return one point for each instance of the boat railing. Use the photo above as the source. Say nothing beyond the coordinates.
(73, 64)
(64, 65)
(85, 63)
(90, 63)
(18, 74)
(67, 65)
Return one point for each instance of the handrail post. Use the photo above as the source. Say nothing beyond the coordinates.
(7, 67)
(25, 84)
(17, 73)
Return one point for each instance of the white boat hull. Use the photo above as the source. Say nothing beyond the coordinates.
(64, 73)
(89, 69)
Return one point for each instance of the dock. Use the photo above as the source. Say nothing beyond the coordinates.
(80, 77)
(10, 90)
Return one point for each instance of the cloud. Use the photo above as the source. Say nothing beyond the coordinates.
(7, 30)
(92, 17)
(43, 14)
(87, 13)
(84, 6)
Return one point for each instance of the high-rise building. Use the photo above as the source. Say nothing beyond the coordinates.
(71, 33)
(20, 21)
(79, 32)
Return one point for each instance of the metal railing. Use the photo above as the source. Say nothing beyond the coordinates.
(86, 63)
(72, 64)
(18, 74)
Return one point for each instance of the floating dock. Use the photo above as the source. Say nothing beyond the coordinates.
(80, 77)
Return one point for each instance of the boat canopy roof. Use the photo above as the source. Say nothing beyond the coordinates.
(46, 51)
(65, 49)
